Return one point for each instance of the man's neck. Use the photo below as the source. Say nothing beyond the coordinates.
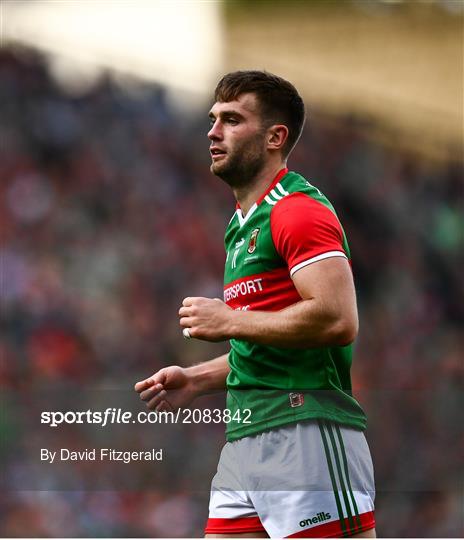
(246, 196)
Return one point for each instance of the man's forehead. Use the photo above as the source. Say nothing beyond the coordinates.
(245, 103)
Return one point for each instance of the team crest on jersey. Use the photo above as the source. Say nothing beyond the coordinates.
(253, 240)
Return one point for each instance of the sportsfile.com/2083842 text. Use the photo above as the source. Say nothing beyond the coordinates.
(113, 415)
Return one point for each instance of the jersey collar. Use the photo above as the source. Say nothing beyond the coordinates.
(243, 219)
(273, 184)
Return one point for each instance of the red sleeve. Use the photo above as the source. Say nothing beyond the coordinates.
(305, 231)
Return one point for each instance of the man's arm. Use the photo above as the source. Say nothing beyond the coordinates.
(174, 386)
(326, 315)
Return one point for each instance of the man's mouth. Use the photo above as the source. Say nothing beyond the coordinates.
(216, 152)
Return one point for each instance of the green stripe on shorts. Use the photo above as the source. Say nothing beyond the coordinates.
(340, 477)
(332, 477)
(345, 465)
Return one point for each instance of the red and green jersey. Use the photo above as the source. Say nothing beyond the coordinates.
(290, 226)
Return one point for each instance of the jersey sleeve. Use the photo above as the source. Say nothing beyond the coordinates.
(305, 231)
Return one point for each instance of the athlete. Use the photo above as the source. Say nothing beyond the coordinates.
(296, 462)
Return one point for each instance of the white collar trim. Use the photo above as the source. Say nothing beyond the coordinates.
(242, 220)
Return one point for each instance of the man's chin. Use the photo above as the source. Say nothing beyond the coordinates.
(217, 169)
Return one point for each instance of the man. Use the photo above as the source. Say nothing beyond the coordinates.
(296, 463)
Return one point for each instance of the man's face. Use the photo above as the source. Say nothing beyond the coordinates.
(237, 149)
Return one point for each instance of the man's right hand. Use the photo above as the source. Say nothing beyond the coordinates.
(167, 390)
(175, 387)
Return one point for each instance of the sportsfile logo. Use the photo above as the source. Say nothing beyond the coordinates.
(321, 516)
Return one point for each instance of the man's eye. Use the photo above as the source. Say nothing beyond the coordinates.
(232, 121)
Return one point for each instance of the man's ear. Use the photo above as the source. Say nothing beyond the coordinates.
(277, 136)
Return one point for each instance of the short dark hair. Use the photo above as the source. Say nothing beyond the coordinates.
(278, 99)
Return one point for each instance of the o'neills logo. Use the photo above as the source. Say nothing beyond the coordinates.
(253, 239)
(322, 516)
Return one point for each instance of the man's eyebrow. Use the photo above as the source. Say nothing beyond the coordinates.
(230, 112)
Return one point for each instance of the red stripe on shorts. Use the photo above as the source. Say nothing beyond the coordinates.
(334, 529)
(233, 525)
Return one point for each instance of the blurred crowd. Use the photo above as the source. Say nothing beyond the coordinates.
(109, 217)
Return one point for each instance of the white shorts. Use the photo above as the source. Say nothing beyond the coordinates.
(309, 479)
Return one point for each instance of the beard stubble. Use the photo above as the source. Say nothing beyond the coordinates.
(242, 164)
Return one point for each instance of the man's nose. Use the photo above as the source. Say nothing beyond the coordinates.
(215, 134)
